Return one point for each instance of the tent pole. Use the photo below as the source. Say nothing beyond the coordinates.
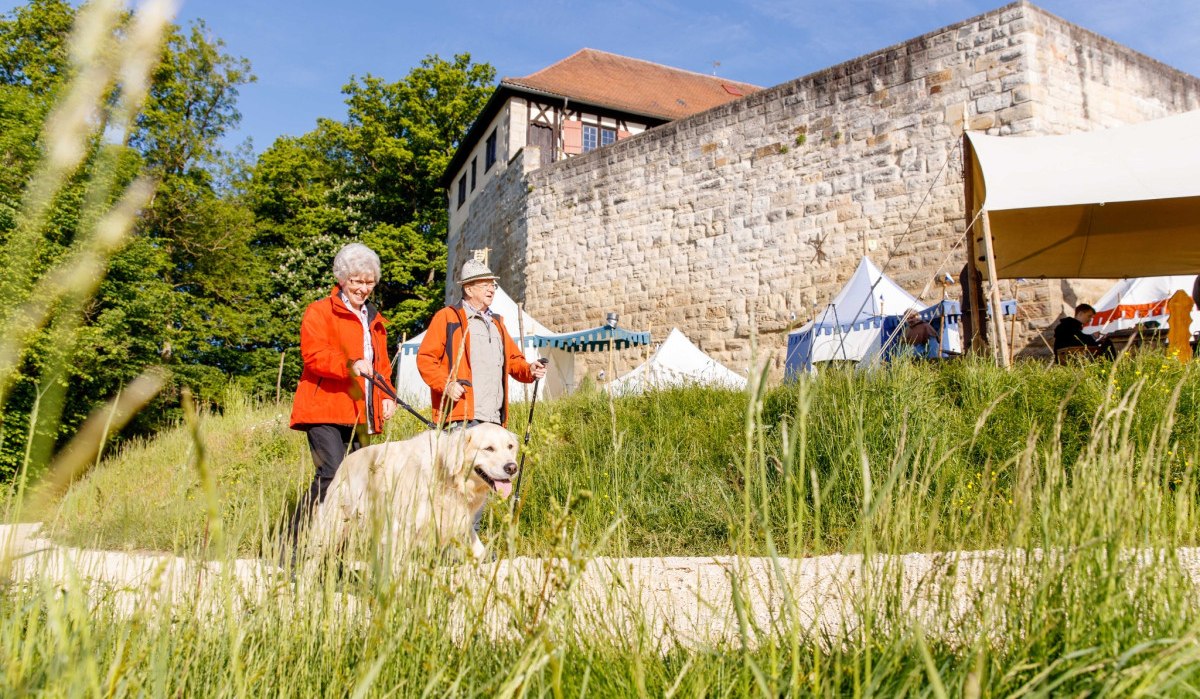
(989, 251)
(1012, 326)
(976, 318)
(942, 325)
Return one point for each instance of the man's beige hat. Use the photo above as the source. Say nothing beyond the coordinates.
(473, 271)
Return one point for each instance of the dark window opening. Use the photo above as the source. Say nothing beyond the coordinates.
(542, 137)
(489, 158)
(462, 191)
(473, 162)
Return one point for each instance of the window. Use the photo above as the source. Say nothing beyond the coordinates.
(473, 162)
(594, 137)
(489, 158)
(462, 191)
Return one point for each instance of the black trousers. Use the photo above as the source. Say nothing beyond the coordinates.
(329, 444)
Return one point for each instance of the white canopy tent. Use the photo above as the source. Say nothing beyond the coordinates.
(677, 362)
(851, 326)
(1131, 302)
(560, 374)
(1122, 202)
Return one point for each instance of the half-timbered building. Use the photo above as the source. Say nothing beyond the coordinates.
(586, 101)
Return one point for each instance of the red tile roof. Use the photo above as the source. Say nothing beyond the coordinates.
(631, 85)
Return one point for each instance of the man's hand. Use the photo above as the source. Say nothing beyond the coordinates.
(456, 390)
(537, 369)
(363, 368)
(389, 408)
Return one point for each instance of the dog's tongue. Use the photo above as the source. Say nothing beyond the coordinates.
(504, 488)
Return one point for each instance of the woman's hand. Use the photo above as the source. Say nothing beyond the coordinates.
(389, 408)
(363, 368)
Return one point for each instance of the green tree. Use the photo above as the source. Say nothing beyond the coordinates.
(184, 290)
(398, 140)
(372, 178)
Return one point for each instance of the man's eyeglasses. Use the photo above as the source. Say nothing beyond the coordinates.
(485, 285)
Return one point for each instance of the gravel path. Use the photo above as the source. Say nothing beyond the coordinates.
(662, 602)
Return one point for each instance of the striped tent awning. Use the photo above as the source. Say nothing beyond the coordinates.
(594, 339)
(952, 310)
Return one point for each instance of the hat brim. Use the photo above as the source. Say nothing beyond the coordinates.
(479, 278)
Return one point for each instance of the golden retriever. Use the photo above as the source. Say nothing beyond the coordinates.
(423, 491)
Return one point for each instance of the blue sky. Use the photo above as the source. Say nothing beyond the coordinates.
(304, 51)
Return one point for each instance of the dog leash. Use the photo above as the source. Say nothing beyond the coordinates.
(379, 383)
(525, 443)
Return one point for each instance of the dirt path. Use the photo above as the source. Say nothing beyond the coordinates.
(660, 601)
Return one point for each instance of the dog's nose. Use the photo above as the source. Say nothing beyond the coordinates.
(510, 468)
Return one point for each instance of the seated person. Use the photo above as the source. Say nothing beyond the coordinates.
(919, 337)
(1069, 333)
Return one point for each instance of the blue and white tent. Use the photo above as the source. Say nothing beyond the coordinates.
(851, 327)
(946, 318)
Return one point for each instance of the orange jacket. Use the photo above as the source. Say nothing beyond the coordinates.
(446, 345)
(331, 340)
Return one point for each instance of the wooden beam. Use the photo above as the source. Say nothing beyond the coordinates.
(1001, 336)
(974, 283)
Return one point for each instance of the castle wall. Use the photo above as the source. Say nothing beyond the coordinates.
(738, 222)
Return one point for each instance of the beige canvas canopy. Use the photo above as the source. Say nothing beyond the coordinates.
(1123, 202)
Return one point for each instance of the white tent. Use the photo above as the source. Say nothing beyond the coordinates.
(560, 374)
(677, 362)
(851, 326)
(1133, 301)
(1122, 202)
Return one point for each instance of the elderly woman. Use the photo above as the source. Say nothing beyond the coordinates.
(343, 342)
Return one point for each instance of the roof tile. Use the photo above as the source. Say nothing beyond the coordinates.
(631, 85)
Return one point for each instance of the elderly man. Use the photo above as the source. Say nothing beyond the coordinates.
(467, 355)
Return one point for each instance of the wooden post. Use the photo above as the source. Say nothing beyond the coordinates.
(974, 341)
(279, 379)
(942, 325)
(521, 331)
(400, 359)
(997, 312)
(1012, 329)
(1179, 334)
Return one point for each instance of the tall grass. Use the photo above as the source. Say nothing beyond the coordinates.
(954, 440)
(1080, 489)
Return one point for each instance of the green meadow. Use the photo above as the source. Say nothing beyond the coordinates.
(1085, 475)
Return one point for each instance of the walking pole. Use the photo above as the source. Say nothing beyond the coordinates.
(525, 442)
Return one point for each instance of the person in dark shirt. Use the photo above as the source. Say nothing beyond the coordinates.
(919, 337)
(1069, 332)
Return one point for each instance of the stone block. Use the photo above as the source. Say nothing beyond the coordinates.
(993, 102)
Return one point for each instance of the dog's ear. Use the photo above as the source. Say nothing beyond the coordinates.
(456, 454)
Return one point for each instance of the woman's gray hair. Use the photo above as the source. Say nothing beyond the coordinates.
(353, 259)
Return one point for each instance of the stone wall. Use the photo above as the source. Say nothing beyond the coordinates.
(737, 222)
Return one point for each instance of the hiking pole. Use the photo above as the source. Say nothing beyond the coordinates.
(528, 430)
(381, 385)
